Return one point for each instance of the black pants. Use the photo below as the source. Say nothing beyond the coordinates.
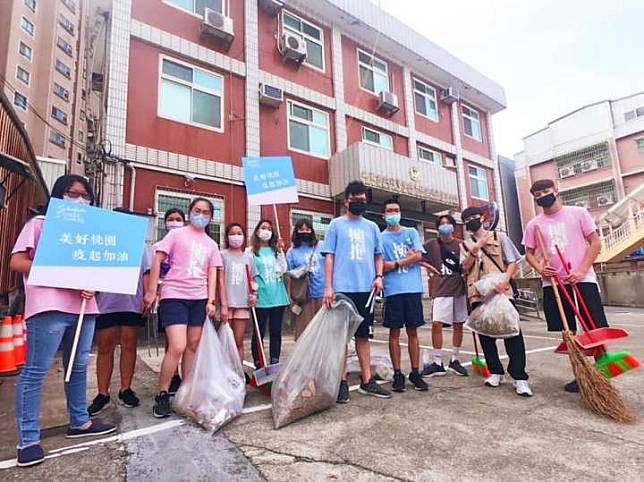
(272, 317)
(515, 348)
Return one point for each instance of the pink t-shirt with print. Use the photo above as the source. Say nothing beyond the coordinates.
(39, 299)
(194, 254)
(568, 228)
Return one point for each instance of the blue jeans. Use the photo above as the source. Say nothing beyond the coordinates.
(45, 332)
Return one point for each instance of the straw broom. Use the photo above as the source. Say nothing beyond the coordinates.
(596, 391)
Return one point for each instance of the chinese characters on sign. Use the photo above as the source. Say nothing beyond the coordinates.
(92, 247)
(269, 180)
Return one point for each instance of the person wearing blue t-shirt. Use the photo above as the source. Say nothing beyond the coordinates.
(403, 293)
(353, 267)
(306, 251)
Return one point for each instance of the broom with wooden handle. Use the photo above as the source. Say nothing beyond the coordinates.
(596, 391)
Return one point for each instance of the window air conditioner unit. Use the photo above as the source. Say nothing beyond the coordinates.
(218, 26)
(605, 200)
(581, 204)
(388, 102)
(587, 166)
(271, 96)
(449, 95)
(292, 47)
(565, 172)
(272, 7)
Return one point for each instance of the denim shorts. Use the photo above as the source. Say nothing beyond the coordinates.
(182, 312)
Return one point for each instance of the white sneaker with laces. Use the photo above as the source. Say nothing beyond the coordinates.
(494, 380)
(523, 389)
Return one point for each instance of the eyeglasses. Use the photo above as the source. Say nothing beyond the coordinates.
(205, 212)
(76, 195)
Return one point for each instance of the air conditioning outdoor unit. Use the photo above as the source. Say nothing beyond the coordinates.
(605, 200)
(269, 95)
(565, 172)
(449, 95)
(582, 204)
(272, 7)
(218, 26)
(387, 102)
(292, 47)
(587, 166)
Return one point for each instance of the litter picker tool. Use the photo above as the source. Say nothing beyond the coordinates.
(79, 326)
(596, 391)
(478, 364)
(371, 301)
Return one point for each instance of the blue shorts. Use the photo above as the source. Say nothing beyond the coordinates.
(405, 310)
(182, 312)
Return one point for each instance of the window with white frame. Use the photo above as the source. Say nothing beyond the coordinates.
(71, 5)
(27, 26)
(170, 199)
(377, 138)
(31, 5)
(320, 222)
(64, 46)
(640, 145)
(308, 130)
(61, 92)
(191, 95)
(425, 100)
(25, 51)
(20, 100)
(57, 138)
(478, 182)
(59, 114)
(198, 7)
(471, 123)
(81, 136)
(66, 24)
(313, 36)
(23, 75)
(374, 72)
(63, 69)
(429, 155)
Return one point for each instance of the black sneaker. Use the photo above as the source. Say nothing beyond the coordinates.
(457, 368)
(398, 385)
(418, 382)
(434, 370)
(372, 388)
(128, 398)
(161, 407)
(99, 404)
(343, 392)
(96, 428)
(31, 455)
(175, 383)
(572, 387)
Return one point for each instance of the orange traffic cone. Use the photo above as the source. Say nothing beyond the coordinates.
(18, 342)
(7, 358)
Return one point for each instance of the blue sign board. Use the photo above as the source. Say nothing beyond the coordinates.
(269, 180)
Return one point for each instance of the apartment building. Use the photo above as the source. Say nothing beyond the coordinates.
(41, 59)
(345, 89)
(595, 154)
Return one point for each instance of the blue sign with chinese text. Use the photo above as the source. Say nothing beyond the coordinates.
(269, 180)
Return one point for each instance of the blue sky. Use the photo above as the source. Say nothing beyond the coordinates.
(551, 56)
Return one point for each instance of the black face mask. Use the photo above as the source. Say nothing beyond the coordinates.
(304, 237)
(473, 225)
(547, 200)
(357, 207)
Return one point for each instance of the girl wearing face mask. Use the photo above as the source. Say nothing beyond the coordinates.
(306, 252)
(235, 260)
(271, 291)
(52, 314)
(187, 293)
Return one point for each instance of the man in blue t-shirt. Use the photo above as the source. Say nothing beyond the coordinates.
(353, 267)
(403, 293)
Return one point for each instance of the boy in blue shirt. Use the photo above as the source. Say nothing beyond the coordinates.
(353, 267)
(403, 293)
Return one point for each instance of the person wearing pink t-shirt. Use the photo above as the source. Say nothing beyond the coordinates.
(52, 316)
(187, 294)
(573, 230)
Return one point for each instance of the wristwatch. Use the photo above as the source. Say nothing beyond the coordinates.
(379, 276)
(396, 265)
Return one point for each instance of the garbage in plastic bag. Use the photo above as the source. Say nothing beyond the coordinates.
(214, 393)
(380, 361)
(496, 316)
(309, 381)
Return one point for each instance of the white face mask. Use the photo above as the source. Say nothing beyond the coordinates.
(77, 200)
(265, 234)
(170, 225)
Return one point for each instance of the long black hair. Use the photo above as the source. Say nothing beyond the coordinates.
(300, 223)
(211, 206)
(62, 185)
(272, 243)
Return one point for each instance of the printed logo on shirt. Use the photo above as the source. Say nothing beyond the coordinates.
(357, 240)
(315, 265)
(400, 252)
(268, 271)
(558, 235)
(237, 274)
(197, 259)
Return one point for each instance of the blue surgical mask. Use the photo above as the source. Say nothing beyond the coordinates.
(392, 219)
(446, 229)
(199, 220)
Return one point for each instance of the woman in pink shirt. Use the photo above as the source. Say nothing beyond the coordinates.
(52, 315)
(187, 293)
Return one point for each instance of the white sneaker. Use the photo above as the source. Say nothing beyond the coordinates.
(523, 389)
(494, 380)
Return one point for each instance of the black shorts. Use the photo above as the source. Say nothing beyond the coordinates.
(405, 310)
(123, 318)
(365, 330)
(182, 312)
(590, 294)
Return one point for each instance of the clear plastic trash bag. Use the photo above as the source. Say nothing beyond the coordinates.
(309, 381)
(214, 393)
(380, 361)
(496, 316)
(298, 272)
